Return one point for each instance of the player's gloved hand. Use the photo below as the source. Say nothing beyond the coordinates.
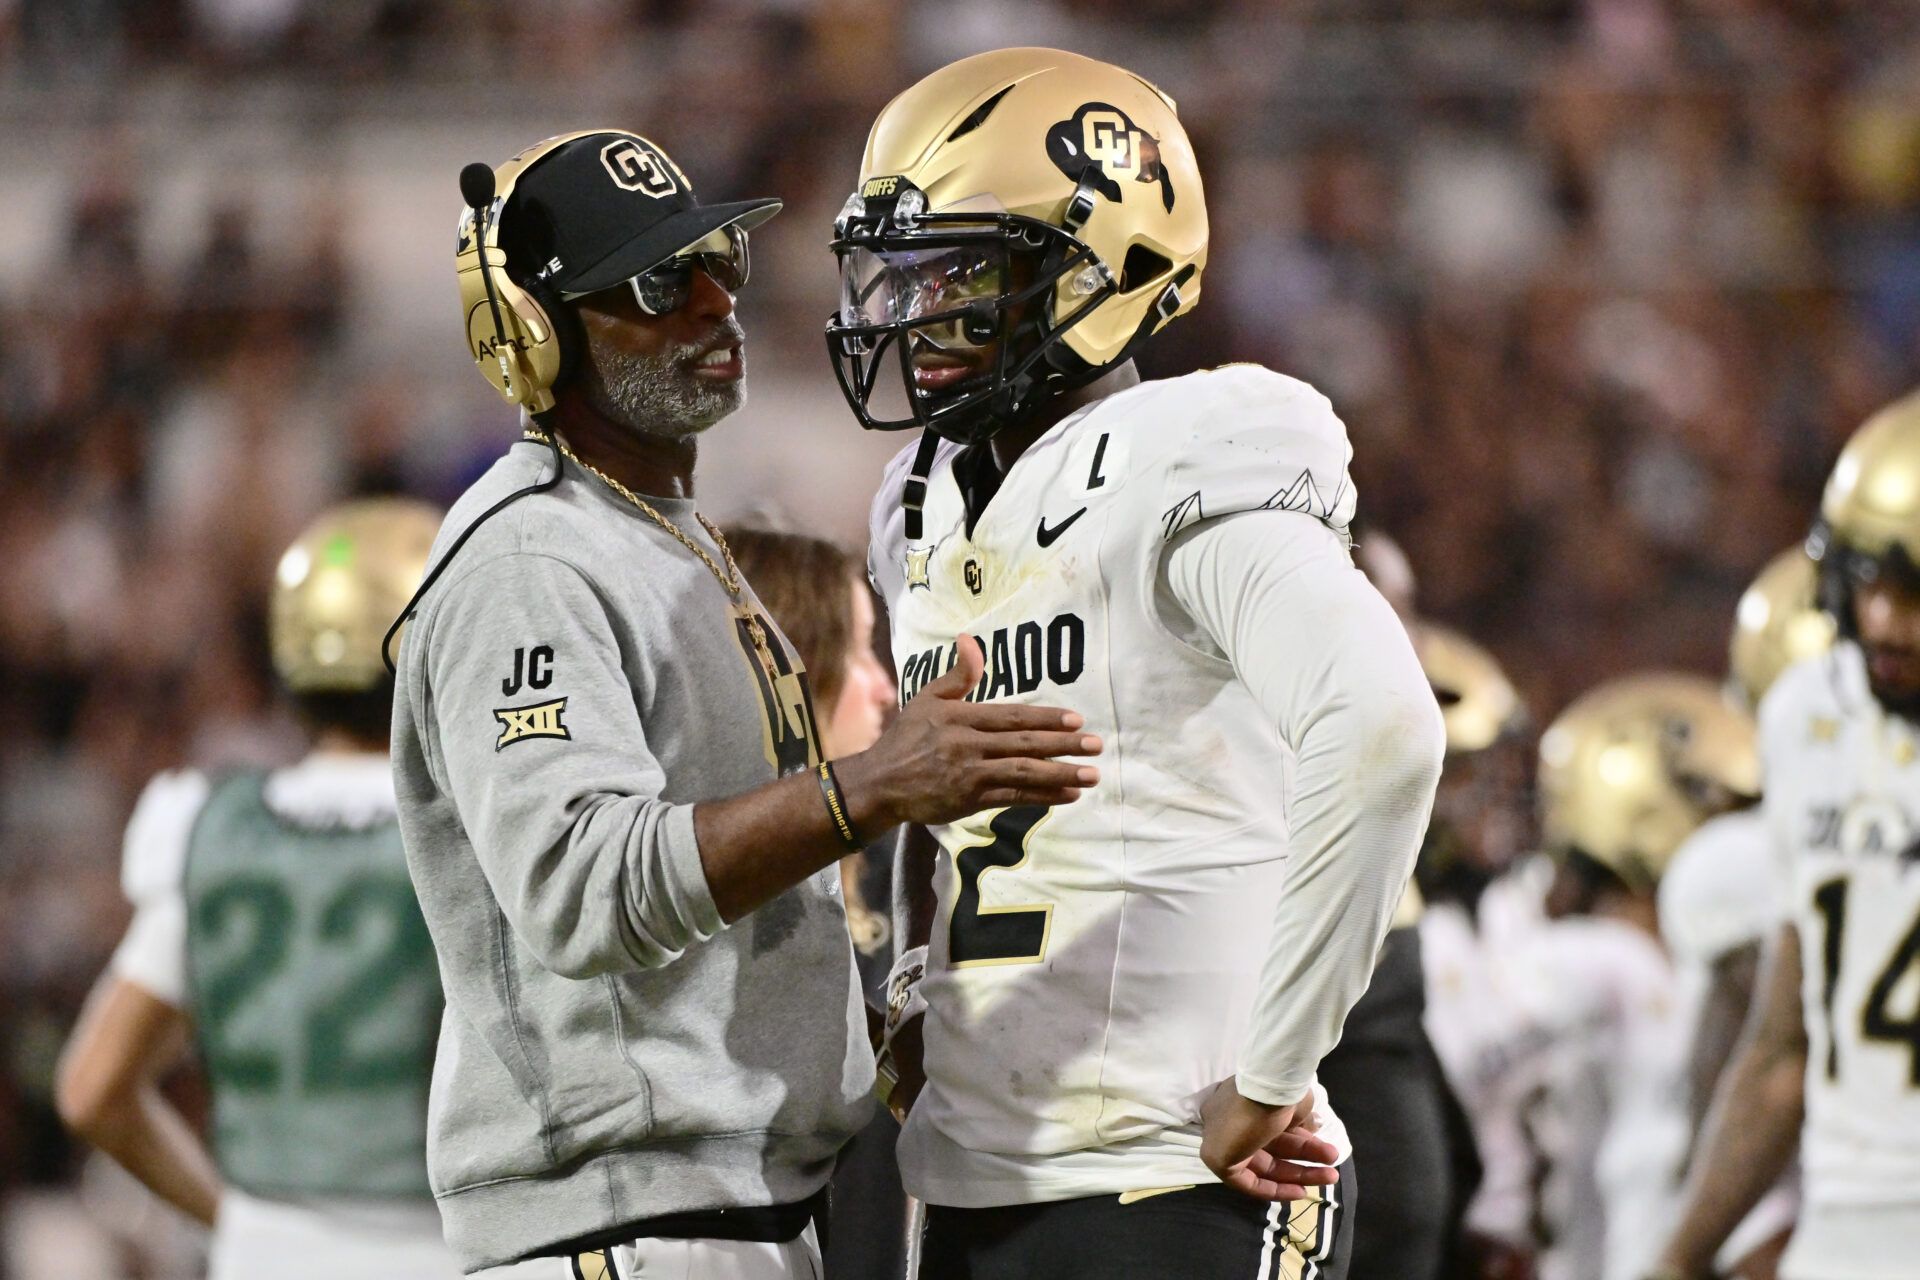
(1257, 1149)
(944, 758)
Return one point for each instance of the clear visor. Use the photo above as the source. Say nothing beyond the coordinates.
(885, 286)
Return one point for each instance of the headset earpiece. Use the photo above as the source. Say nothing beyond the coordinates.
(525, 335)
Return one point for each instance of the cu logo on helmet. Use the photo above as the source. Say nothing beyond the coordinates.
(637, 168)
(1102, 143)
(1112, 142)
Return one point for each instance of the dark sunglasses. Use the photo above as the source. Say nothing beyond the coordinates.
(664, 289)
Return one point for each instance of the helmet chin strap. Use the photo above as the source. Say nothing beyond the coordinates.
(913, 494)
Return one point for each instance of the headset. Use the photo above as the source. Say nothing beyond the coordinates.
(519, 334)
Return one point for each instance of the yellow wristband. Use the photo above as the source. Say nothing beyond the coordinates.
(837, 808)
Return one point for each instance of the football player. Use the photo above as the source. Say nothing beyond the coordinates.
(275, 928)
(1408, 1128)
(1717, 904)
(1482, 823)
(1627, 772)
(1834, 1040)
(1121, 1001)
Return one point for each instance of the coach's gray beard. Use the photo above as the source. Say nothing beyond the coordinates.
(659, 395)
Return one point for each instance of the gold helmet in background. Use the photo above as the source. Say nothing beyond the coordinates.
(1777, 623)
(1870, 511)
(1871, 505)
(1034, 197)
(339, 586)
(1631, 768)
(1478, 704)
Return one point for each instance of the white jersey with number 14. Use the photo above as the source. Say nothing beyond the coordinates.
(1843, 805)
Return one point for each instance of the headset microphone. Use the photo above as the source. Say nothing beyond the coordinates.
(476, 188)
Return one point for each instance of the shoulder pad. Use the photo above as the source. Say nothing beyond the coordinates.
(1716, 886)
(154, 857)
(1823, 687)
(1244, 438)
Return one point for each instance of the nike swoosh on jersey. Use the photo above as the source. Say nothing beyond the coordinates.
(1046, 537)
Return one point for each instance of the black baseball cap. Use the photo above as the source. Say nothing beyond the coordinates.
(602, 208)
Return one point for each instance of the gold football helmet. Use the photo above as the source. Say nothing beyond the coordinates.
(1870, 512)
(1631, 768)
(1478, 704)
(338, 587)
(1483, 808)
(1029, 198)
(1872, 500)
(1777, 623)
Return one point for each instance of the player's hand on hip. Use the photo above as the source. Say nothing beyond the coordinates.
(944, 757)
(1267, 1152)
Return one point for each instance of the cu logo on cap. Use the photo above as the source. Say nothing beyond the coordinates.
(638, 168)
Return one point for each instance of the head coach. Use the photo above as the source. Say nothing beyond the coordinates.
(615, 811)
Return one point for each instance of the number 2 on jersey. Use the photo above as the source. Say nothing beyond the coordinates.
(265, 916)
(1877, 1020)
(980, 935)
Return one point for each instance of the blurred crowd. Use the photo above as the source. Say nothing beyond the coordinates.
(1599, 287)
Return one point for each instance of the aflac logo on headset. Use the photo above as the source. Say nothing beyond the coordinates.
(635, 166)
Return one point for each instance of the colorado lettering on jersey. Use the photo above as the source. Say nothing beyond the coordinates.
(1870, 827)
(1019, 659)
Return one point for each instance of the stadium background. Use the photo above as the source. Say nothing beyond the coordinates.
(1599, 287)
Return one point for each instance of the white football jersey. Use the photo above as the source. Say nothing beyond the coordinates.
(1473, 1023)
(1719, 892)
(1472, 1017)
(1604, 1105)
(1092, 967)
(1843, 803)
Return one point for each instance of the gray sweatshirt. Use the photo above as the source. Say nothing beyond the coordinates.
(610, 1051)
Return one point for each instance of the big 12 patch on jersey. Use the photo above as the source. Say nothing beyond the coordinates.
(542, 720)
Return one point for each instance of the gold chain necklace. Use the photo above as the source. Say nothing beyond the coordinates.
(729, 581)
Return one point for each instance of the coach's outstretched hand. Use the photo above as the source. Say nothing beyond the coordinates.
(1256, 1149)
(944, 757)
